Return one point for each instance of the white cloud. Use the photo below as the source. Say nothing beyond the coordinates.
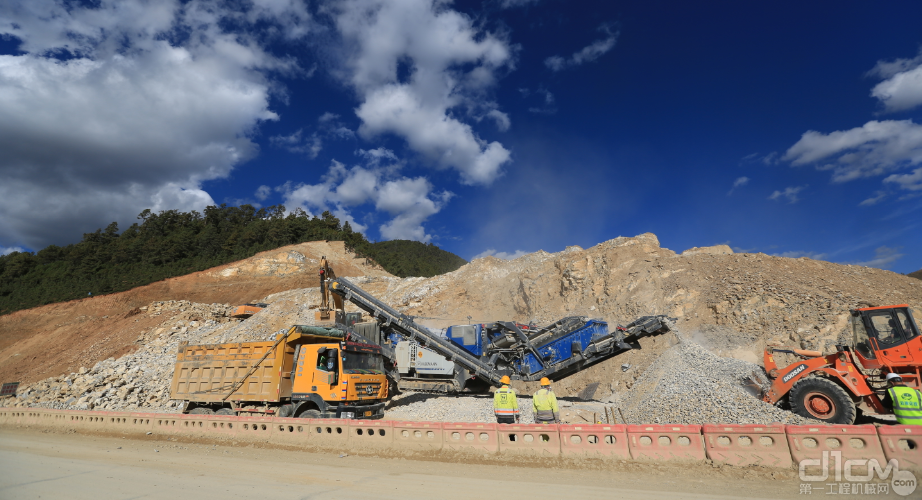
(588, 53)
(502, 119)
(262, 192)
(408, 201)
(912, 182)
(127, 105)
(299, 143)
(876, 148)
(874, 200)
(883, 256)
(789, 192)
(7, 251)
(902, 88)
(448, 65)
(500, 255)
(740, 181)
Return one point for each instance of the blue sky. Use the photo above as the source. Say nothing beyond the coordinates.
(488, 127)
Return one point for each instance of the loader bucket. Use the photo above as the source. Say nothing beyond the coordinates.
(755, 384)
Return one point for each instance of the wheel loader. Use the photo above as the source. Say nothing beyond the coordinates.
(832, 388)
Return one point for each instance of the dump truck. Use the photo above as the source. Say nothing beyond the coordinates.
(832, 387)
(308, 372)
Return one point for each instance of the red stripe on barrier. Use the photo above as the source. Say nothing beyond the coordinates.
(666, 442)
(747, 444)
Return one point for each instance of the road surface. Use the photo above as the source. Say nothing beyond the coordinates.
(59, 465)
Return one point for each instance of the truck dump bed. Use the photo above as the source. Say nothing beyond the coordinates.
(207, 373)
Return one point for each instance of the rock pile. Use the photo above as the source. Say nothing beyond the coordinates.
(691, 385)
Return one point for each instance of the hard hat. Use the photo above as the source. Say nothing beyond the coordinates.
(545, 381)
(504, 380)
(894, 376)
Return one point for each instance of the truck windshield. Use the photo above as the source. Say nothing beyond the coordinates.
(363, 363)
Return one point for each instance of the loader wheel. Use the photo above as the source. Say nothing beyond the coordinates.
(310, 414)
(201, 410)
(226, 411)
(822, 399)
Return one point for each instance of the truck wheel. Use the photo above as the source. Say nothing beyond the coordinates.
(284, 411)
(822, 399)
(310, 414)
(201, 410)
(226, 411)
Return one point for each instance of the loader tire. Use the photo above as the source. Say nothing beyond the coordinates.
(822, 399)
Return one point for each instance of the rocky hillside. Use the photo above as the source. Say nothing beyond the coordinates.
(917, 274)
(727, 305)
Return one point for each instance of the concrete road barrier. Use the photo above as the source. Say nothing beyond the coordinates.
(595, 440)
(541, 440)
(903, 443)
(371, 434)
(417, 435)
(470, 436)
(829, 446)
(291, 431)
(331, 433)
(666, 442)
(743, 445)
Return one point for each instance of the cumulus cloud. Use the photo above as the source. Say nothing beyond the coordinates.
(883, 256)
(876, 148)
(902, 87)
(739, 182)
(418, 66)
(408, 201)
(127, 104)
(9, 250)
(262, 192)
(500, 255)
(588, 53)
(789, 192)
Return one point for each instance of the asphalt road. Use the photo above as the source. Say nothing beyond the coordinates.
(71, 466)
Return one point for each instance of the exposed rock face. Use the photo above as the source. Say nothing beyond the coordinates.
(730, 304)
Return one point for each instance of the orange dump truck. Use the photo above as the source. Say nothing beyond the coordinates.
(309, 372)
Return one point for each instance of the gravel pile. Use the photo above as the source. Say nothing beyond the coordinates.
(690, 385)
(413, 406)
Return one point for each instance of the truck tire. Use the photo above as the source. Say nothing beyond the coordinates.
(284, 411)
(310, 414)
(822, 399)
(226, 411)
(201, 410)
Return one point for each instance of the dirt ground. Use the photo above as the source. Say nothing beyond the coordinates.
(50, 465)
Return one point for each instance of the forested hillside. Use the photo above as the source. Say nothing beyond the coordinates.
(173, 243)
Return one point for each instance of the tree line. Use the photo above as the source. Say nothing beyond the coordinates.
(173, 243)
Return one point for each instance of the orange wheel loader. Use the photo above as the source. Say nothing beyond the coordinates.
(833, 387)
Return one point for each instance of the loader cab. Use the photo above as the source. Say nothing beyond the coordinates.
(886, 336)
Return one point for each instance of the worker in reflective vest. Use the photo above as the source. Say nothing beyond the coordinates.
(907, 402)
(505, 406)
(545, 404)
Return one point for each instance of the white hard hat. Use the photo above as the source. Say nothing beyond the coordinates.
(893, 376)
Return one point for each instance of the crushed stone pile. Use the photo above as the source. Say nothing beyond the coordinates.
(411, 406)
(688, 384)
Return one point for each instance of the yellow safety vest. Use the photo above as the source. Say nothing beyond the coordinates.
(504, 402)
(907, 405)
(545, 400)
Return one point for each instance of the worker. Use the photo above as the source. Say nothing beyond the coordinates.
(907, 402)
(505, 405)
(545, 404)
